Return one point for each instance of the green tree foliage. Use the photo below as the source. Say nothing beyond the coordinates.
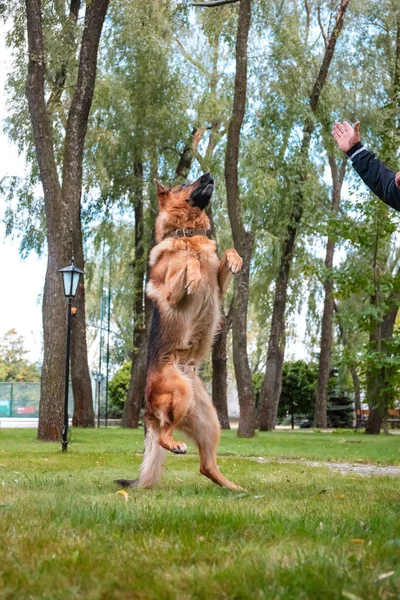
(13, 364)
(161, 109)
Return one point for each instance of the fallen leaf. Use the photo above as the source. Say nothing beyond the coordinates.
(340, 496)
(350, 596)
(358, 541)
(124, 494)
(201, 538)
(385, 575)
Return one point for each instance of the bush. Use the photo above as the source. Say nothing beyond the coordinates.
(118, 387)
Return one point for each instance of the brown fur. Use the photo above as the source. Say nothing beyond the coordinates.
(186, 284)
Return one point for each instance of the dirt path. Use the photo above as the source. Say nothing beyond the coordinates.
(359, 469)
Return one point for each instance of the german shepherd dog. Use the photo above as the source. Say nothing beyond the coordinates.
(187, 282)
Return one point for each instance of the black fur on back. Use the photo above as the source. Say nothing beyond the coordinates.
(155, 340)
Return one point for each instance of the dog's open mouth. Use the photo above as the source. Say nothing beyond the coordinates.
(201, 196)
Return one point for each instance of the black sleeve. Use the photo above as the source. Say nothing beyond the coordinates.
(379, 179)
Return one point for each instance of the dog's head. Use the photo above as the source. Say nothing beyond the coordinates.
(183, 206)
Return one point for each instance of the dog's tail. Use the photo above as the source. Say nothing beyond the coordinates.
(153, 460)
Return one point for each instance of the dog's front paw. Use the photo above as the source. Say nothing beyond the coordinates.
(233, 261)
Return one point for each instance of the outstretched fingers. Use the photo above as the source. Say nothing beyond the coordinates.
(336, 132)
(340, 128)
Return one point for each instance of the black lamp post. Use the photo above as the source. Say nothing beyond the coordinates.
(71, 276)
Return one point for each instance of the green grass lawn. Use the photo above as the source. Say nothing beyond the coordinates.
(298, 532)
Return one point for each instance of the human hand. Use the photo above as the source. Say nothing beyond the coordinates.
(397, 180)
(346, 135)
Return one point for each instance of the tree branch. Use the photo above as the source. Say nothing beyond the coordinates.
(82, 100)
(188, 153)
(41, 124)
(321, 25)
(61, 75)
(235, 125)
(307, 6)
(330, 48)
(190, 58)
(213, 3)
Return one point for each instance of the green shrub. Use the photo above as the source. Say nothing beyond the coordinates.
(118, 386)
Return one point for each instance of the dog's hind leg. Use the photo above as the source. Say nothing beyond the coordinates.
(152, 465)
(169, 396)
(153, 460)
(202, 425)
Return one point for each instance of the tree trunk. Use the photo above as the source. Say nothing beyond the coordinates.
(244, 382)
(374, 421)
(357, 391)
(83, 415)
(135, 395)
(62, 208)
(272, 384)
(54, 311)
(220, 373)
(219, 356)
(243, 240)
(378, 378)
(320, 418)
(353, 371)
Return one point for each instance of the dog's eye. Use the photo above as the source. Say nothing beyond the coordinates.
(187, 200)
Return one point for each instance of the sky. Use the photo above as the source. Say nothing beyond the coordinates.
(22, 280)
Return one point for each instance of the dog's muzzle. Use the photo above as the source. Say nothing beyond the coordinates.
(201, 196)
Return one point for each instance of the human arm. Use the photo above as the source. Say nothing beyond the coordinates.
(381, 180)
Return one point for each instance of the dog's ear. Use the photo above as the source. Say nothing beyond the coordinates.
(162, 191)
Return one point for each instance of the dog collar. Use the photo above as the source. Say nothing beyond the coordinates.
(180, 233)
